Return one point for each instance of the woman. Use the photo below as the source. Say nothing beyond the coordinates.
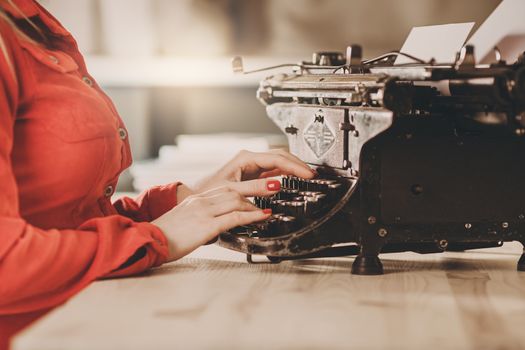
(62, 148)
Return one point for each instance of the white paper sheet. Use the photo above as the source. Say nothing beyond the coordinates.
(504, 28)
(440, 42)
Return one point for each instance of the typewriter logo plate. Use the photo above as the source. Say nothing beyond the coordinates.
(319, 138)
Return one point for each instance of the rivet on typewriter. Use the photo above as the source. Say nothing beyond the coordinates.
(382, 232)
(416, 189)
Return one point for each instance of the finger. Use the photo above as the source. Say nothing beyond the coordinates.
(271, 173)
(215, 191)
(219, 198)
(239, 218)
(258, 187)
(269, 162)
(228, 205)
(288, 155)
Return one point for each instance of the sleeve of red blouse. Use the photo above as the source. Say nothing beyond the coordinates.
(42, 268)
(150, 204)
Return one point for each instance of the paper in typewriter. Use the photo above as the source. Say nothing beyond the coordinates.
(440, 42)
(504, 28)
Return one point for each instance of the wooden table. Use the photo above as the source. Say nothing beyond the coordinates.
(213, 299)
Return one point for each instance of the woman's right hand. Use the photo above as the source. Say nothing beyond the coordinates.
(200, 218)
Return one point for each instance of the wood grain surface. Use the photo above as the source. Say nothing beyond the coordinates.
(213, 299)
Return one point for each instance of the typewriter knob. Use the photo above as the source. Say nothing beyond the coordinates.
(328, 58)
(466, 58)
(354, 55)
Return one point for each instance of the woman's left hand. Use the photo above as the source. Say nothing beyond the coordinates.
(246, 173)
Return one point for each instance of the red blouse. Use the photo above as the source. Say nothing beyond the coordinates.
(62, 148)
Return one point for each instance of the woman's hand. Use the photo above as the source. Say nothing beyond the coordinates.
(199, 218)
(247, 171)
(218, 203)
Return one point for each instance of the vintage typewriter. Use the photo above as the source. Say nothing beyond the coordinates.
(422, 157)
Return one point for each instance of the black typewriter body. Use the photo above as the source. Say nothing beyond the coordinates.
(407, 165)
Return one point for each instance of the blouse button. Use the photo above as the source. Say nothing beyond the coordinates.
(53, 59)
(108, 191)
(87, 80)
(122, 133)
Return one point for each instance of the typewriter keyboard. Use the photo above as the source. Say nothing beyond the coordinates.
(297, 204)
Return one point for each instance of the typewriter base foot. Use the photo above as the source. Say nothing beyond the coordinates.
(367, 265)
(521, 263)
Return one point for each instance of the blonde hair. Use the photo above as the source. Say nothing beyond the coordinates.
(18, 32)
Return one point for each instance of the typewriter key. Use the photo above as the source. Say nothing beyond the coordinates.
(277, 205)
(324, 185)
(295, 209)
(287, 194)
(303, 185)
(285, 225)
(285, 182)
(334, 190)
(311, 206)
(286, 207)
(264, 202)
(294, 183)
(309, 193)
(272, 228)
(308, 185)
(241, 230)
(334, 186)
(253, 233)
(316, 185)
(319, 195)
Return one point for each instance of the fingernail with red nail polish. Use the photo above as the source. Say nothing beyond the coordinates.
(273, 185)
(267, 211)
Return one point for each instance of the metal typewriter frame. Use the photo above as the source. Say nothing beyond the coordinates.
(369, 99)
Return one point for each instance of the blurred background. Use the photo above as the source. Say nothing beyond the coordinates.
(166, 64)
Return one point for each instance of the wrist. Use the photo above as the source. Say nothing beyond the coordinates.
(164, 227)
(183, 192)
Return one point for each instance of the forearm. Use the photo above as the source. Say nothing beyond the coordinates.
(42, 268)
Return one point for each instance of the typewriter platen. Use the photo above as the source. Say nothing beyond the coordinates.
(422, 157)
